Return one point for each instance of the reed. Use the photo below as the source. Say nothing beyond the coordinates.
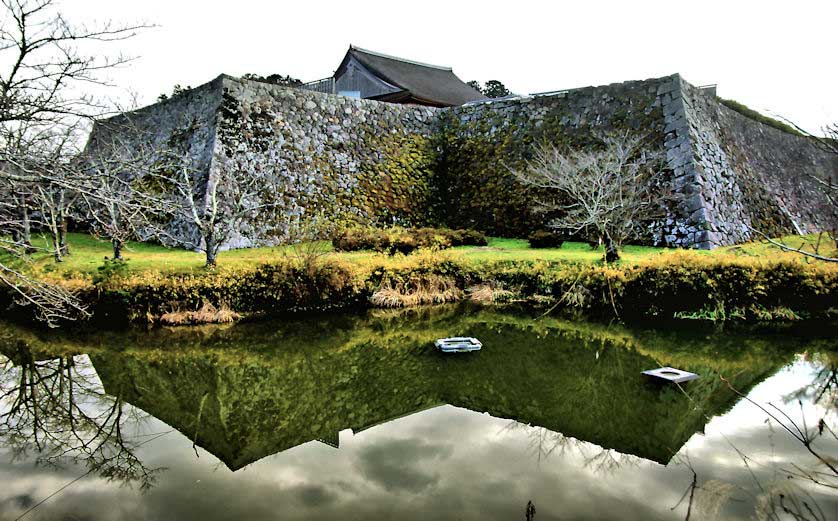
(418, 290)
(206, 314)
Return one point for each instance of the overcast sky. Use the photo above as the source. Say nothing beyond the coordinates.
(775, 56)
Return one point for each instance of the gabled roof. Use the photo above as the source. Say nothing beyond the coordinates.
(426, 83)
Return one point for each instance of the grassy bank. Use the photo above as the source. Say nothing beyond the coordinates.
(753, 281)
(88, 254)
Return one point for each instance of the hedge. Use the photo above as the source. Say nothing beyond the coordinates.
(686, 284)
(404, 240)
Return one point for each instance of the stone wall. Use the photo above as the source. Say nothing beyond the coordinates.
(751, 175)
(483, 141)
(364, 161)
(182, 124)
(349, 160)
(343, 159)
(728, 172)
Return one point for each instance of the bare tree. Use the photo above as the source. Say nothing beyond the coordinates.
(48, 65)
(15, 216)
(220, 203)
(48, 68)
(613, 191)
(115, 201)
(58, 408)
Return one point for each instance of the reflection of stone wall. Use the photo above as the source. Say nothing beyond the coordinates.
(373, 162)
(259, 388)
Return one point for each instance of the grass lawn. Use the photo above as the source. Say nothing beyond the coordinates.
(88, 254)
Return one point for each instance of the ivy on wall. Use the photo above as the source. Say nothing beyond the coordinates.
(396, 189)
(346, 161)
(479, 146)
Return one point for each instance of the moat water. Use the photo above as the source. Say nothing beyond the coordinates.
(356, 416)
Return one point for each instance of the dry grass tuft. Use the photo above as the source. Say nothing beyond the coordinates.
(425, 289)
(488, 293)
(207, 314)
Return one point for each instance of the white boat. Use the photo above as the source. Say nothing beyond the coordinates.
(670, 374)
(458, 344)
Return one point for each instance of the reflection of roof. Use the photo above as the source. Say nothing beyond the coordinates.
(380, 421)
(428, 83)
(332, 440)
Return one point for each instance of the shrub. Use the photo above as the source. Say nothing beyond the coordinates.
(404, 240)
(403, 244)
(355, 239)
(468, 238)
(545, 239)
(111, 268)
(431, 237)
(675, 284)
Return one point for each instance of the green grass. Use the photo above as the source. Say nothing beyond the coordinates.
(757, 116)
(518, 249)
(88, 254)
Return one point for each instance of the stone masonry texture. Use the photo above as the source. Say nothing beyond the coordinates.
(369, 162)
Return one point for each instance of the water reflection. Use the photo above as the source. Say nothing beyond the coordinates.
(568, 396)
(57, 409)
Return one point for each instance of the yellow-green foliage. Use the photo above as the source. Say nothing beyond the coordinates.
(479, 147)
(665, 286)
(286, 285)
(755, 115)
(404, 240)
(398, 186)
(753, 281)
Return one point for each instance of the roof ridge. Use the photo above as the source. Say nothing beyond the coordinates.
(390, 57)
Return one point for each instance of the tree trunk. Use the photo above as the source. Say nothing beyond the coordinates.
(26, 238)
(117, 243)
(611, 253)
(211, 250)
(56, 246)
(62, 236)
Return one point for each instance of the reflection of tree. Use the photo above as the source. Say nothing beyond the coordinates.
(544, 443)
(792, 492)
(822, 390)
(57, 408)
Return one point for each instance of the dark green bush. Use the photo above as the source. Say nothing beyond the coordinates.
(404, 240)
(546, 239)
(468, 238)
(355, 239)
(403, 244)
(111, 268)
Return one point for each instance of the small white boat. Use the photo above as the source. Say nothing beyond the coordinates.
(670, 374)
(458, 344)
